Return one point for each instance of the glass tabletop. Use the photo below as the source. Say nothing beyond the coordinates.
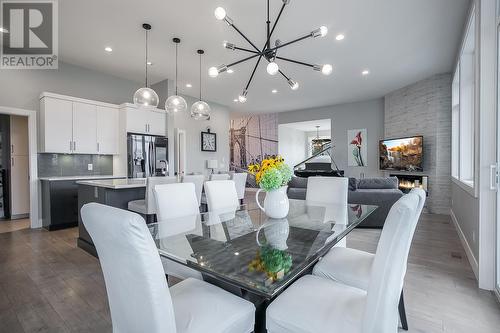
(246, 249)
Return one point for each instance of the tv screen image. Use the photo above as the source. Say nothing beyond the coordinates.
(404, 154)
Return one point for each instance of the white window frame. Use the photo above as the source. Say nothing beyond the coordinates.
(464, 170)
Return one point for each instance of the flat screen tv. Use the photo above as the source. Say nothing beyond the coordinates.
(403, 154)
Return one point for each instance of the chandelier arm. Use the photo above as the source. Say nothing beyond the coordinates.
(296, 62)
(243, 35)
(284, 75)
(243, 60)
(253, 73)
(246, 50)
(267, 45)
(290, 42)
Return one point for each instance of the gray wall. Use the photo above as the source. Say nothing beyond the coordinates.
(292, 144)
(424, 108)
(367, 114)
(465, 208)
(219, 123)
(22, 88)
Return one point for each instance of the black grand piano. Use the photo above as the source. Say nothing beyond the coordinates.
(319, 164)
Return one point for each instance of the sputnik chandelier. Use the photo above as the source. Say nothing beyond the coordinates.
(268, 52)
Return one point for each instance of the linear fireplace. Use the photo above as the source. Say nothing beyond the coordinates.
(407, 182)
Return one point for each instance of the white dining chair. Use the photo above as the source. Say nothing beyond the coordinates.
(147, 205)
(176, 201)
(354, 267)
(138, 294)
(221, 195)
(317, 304)
(330, 191)
(240, 181)
(198, 181)
(220, 176)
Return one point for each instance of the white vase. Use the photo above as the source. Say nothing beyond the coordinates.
(276, 203)
(276, 232)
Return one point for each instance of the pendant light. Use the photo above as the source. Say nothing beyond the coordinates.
(175, 103)
(200, 110)
(146, 97)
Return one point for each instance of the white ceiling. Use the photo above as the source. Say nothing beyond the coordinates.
(399, 41)
(309, 126)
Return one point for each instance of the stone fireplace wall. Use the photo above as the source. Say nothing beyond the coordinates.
(424, 108)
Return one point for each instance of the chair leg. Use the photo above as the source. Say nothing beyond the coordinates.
(402, 312)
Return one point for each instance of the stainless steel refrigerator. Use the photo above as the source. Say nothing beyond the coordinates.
(147, 155)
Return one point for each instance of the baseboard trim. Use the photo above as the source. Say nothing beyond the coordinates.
(465, 244)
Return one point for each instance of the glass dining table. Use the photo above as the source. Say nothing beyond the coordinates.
(244, 252)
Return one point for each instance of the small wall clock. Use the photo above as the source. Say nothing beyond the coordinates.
(208, 141)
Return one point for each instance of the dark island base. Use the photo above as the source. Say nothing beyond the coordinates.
(118, 198)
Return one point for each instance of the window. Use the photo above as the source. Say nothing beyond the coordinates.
(463, 106)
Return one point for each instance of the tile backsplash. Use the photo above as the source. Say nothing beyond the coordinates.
(53, 165)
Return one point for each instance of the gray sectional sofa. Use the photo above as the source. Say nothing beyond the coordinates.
(382, 192)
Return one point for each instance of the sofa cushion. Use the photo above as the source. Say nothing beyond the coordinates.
(353, 184)
(378, 183)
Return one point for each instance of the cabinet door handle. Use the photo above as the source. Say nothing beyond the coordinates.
(12, 161)
(74, 145)
(12, 149)
(98, 147)
(70, 145)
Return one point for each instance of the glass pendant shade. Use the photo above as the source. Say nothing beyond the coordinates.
(200, 111)
(175, 104)
(146, 97)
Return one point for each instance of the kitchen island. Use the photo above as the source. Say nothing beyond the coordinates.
(111, 192)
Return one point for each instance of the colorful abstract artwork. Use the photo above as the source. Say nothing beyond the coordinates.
(357, 152)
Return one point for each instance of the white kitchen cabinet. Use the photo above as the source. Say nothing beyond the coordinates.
(56, 126)
(84, 128)
(20, 191)
(107, 130)
(71, 125)
(145, 121)
(157, 123)
(136, 121)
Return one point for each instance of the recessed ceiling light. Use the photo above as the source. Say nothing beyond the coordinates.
(108, 49)
(365, 72)
(3, 30)
(149, 63)
(340, 37)
(235, 100)
(189, 85)
(274, 91)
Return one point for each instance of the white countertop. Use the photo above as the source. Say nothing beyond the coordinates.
(55, 178)
(115, 184)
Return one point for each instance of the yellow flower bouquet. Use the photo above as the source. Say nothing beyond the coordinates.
(272, 173)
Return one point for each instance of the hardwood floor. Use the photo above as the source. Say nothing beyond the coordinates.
(13, 225)
(47, 284)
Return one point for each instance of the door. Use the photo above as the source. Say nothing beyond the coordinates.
(57, 126)
(19, 135)
(84, 128)
(180, 152)
(157, 122)
(20, 192)
(497, 277)
(107, 130)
